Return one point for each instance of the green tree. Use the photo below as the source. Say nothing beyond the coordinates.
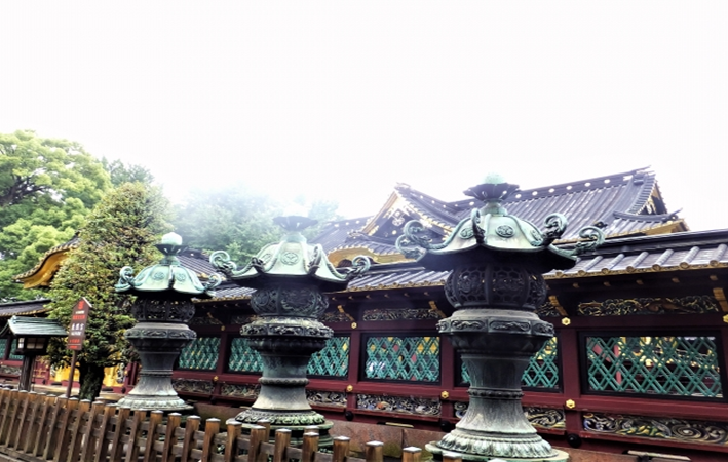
(47, 186)
(239, 220)
(121, 172)
(119, 231)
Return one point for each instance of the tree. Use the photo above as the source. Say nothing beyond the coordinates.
(38, 172)
(47, 186)
(239, 220)
(127, 173)
(119, 231)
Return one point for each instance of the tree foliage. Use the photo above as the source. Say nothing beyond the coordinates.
(121, 172)
(47, 187)
(119, 231)
(239, 220)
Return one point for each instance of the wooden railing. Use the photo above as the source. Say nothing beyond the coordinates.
(38, 427)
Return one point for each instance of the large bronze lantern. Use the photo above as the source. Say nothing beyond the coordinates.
(163, 306)
(496, 262)
(290, 279)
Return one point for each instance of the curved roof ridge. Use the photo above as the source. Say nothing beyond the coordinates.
(53, 250)
(661, 218)
(647, 181)
(434, 215)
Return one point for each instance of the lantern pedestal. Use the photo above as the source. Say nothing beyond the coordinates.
(496, 346)
(159, 344)
(286, 345)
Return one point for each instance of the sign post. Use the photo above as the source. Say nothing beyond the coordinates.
(76, 335)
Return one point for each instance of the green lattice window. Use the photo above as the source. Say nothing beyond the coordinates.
(3, 347)
(403, 358)
(542, 371)
(243, 358)
(13, 346)
(682, 366)
(332, 360)
(201, 354)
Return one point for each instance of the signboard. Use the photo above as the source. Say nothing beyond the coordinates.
(77, 330)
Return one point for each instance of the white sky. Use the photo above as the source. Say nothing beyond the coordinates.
(344, 99)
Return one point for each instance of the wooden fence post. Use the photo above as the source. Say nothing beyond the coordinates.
(375, 451)
(116, 446)
(34, 425)
(231, 443)
(103, 445)
(212, 428)
(17, 409)
(89, 443)
(411, 454)
(310, 446)
(170, 437)
(74, 445)
(44, 424)
(257, 437)
(5, 403)
(155, 420)
(193, 423)
(64, 438)
(135, 432)
(283, 440)
(22, 429)
(49, 443)
(341, 448)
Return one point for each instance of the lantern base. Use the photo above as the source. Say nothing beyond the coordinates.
(437, 453)
(154, 403)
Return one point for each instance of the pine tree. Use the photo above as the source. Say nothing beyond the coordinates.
(119, 231)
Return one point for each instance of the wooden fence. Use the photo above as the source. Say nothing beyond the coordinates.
(38, 427)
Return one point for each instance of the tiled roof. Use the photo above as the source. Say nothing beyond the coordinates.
(670, 252)
(637, 254)
(37, 327)
(230, 292)
(198, 262)
(23, 308)
(622, 204)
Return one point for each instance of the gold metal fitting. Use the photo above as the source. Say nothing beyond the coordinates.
(353, 325)
(222, 328)
(215, 379)
(565, 321)
(725, 319)
(445, 394)
(570, 404)
(349, 388)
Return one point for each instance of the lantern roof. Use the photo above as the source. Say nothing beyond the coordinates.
(292, 259)
(168, 278)
(492, 233)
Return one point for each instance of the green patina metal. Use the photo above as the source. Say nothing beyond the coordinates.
(291, 278)
(162, 308)
(496, 262)
(682, 366)
(243, 358)
(332, 360)
(13, 346)
(414, 359)
(201, 354)
(542, 370)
